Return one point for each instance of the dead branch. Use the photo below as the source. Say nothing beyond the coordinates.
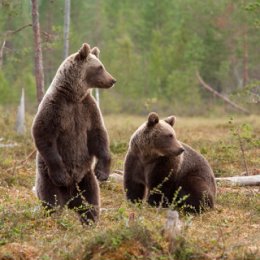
(20, 164)
(5, 36)
(119, 172)
(2, 54)
(116, 177)
(253, 180)
(7, 33)
(28, 157)
(215, 93)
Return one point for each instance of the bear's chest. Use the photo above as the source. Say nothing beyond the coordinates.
(163, 170)
(75, 120)
(72, 141)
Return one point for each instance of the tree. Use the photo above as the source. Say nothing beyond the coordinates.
(66, 28)
(20, 118)
(39, 75)
(152, 47)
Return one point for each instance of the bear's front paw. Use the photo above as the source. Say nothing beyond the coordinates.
(60, 177)
(101, 176)
(102, 171)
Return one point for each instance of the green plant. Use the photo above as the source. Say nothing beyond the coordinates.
(112, 241)
(243, 135)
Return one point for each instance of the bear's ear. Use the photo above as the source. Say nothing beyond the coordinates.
(153, 119)
(95, 51)
(170, 120)
(83, 52)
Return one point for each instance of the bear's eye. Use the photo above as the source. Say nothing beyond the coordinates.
(170, 135)
(100, 67)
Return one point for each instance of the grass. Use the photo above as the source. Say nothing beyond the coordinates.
(127, 231)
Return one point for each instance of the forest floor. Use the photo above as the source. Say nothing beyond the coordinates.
(126, 231)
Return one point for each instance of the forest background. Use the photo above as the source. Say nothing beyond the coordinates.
(153, 48)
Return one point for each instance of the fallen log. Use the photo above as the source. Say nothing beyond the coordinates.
(253, 180)
(116, 177)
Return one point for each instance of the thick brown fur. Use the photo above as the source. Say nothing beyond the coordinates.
(69, 132)
(159, 167)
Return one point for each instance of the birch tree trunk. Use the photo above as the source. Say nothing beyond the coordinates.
(39, 75)
(66, 28)
(96, 37)
(245, 57)
(2, 54)
(20, 118)
(253, 180)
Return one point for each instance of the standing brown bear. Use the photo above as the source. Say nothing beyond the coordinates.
(69, 132)
(161, 169)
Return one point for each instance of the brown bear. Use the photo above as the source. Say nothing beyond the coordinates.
(69, 133)
(165, 171)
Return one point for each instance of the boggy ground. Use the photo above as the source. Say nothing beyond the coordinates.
(126, 231)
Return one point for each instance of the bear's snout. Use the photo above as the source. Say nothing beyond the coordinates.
(113, 81)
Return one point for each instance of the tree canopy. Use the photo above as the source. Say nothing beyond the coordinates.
(153, 48)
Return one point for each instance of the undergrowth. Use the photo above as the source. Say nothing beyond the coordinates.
(125, 230)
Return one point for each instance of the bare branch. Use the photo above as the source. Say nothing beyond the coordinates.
(253, 180)
(2, 54)
(215, 93)
(7, 33)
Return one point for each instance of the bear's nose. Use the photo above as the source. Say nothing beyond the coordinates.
(113, 81)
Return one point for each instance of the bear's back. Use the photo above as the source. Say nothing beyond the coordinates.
(194, 164)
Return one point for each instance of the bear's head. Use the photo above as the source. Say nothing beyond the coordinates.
(157, 138)
(93, 72)
(83, 70)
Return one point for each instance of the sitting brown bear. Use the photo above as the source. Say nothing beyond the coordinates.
(158, 167)
(69, 132)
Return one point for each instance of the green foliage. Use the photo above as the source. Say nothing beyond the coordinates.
(249, 95)
(118, 147)
(134, 239)
(244, 137)
(254, 8)
(152, 47)
(6, 94)
(179, 90)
